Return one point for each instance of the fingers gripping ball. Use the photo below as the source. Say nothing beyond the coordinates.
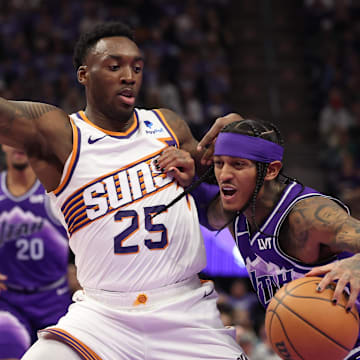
(303, 324)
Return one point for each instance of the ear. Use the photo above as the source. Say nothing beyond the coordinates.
(82, 74)
(273, 170)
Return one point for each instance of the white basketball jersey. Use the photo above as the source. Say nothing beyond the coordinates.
(108, 193)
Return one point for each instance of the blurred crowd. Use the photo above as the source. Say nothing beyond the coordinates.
(184, 44)
(239, 307)
(332, 37)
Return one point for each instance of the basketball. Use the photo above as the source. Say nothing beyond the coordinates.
(303, 324)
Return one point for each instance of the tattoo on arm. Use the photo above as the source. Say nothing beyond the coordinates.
(32, 110)
(299, 230)
(11, 110)
(341, 231)
(348, 235)
(330, 214)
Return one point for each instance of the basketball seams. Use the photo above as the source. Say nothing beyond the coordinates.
(326, 300)
(283, 328)
(315, 327)
(289, 292)
(290, 313)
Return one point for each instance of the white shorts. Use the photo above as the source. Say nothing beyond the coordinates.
(177, 322)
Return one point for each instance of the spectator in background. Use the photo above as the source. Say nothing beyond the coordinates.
(347, 184)
(34, 252)
(334, 117)
(193, 110)
(334, 123)
(241, 297)
(247, 339)
(263, 349)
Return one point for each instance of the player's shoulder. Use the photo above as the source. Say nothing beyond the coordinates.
(171, 116)
(178, 125)
(316, 211)
(316, 201)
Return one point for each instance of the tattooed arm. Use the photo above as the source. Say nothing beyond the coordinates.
(42, 131)
(320, 226)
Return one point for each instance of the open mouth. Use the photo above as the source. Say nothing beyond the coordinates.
(127, 96)
(228, 191)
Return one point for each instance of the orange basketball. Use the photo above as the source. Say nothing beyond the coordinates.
(303, 324)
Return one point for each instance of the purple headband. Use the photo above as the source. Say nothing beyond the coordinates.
(247, 147)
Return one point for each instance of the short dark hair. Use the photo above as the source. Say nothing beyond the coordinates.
(99, 31)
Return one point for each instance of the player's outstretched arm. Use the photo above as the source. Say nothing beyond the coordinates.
(43, 131)
(318, 223)
(21, 122)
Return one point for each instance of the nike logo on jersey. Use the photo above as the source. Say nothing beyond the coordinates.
(208, 293)
(92, 141)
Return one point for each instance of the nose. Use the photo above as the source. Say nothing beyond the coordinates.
(226, 173)
(127, 75)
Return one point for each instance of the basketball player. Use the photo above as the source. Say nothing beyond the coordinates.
(284, 230)
(142, 297)
(34, 290)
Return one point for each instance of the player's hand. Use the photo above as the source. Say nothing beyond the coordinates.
(3, 278)
(345, 271)
(178, 164)
(208, 141)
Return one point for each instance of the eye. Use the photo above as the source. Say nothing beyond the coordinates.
(218, 163)
(114, 67)
(239, 164)
(137, 68)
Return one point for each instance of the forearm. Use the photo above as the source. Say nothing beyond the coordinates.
(203, 195)
(210, 211)
(217, 217)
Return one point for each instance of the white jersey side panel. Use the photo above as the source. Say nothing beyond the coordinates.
(109, 191)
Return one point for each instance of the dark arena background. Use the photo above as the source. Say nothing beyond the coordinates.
(294, 63)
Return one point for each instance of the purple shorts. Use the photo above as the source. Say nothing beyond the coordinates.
(24, 313)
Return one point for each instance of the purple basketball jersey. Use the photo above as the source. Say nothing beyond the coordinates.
(33, 244)
(34, 255)
(268, 266)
